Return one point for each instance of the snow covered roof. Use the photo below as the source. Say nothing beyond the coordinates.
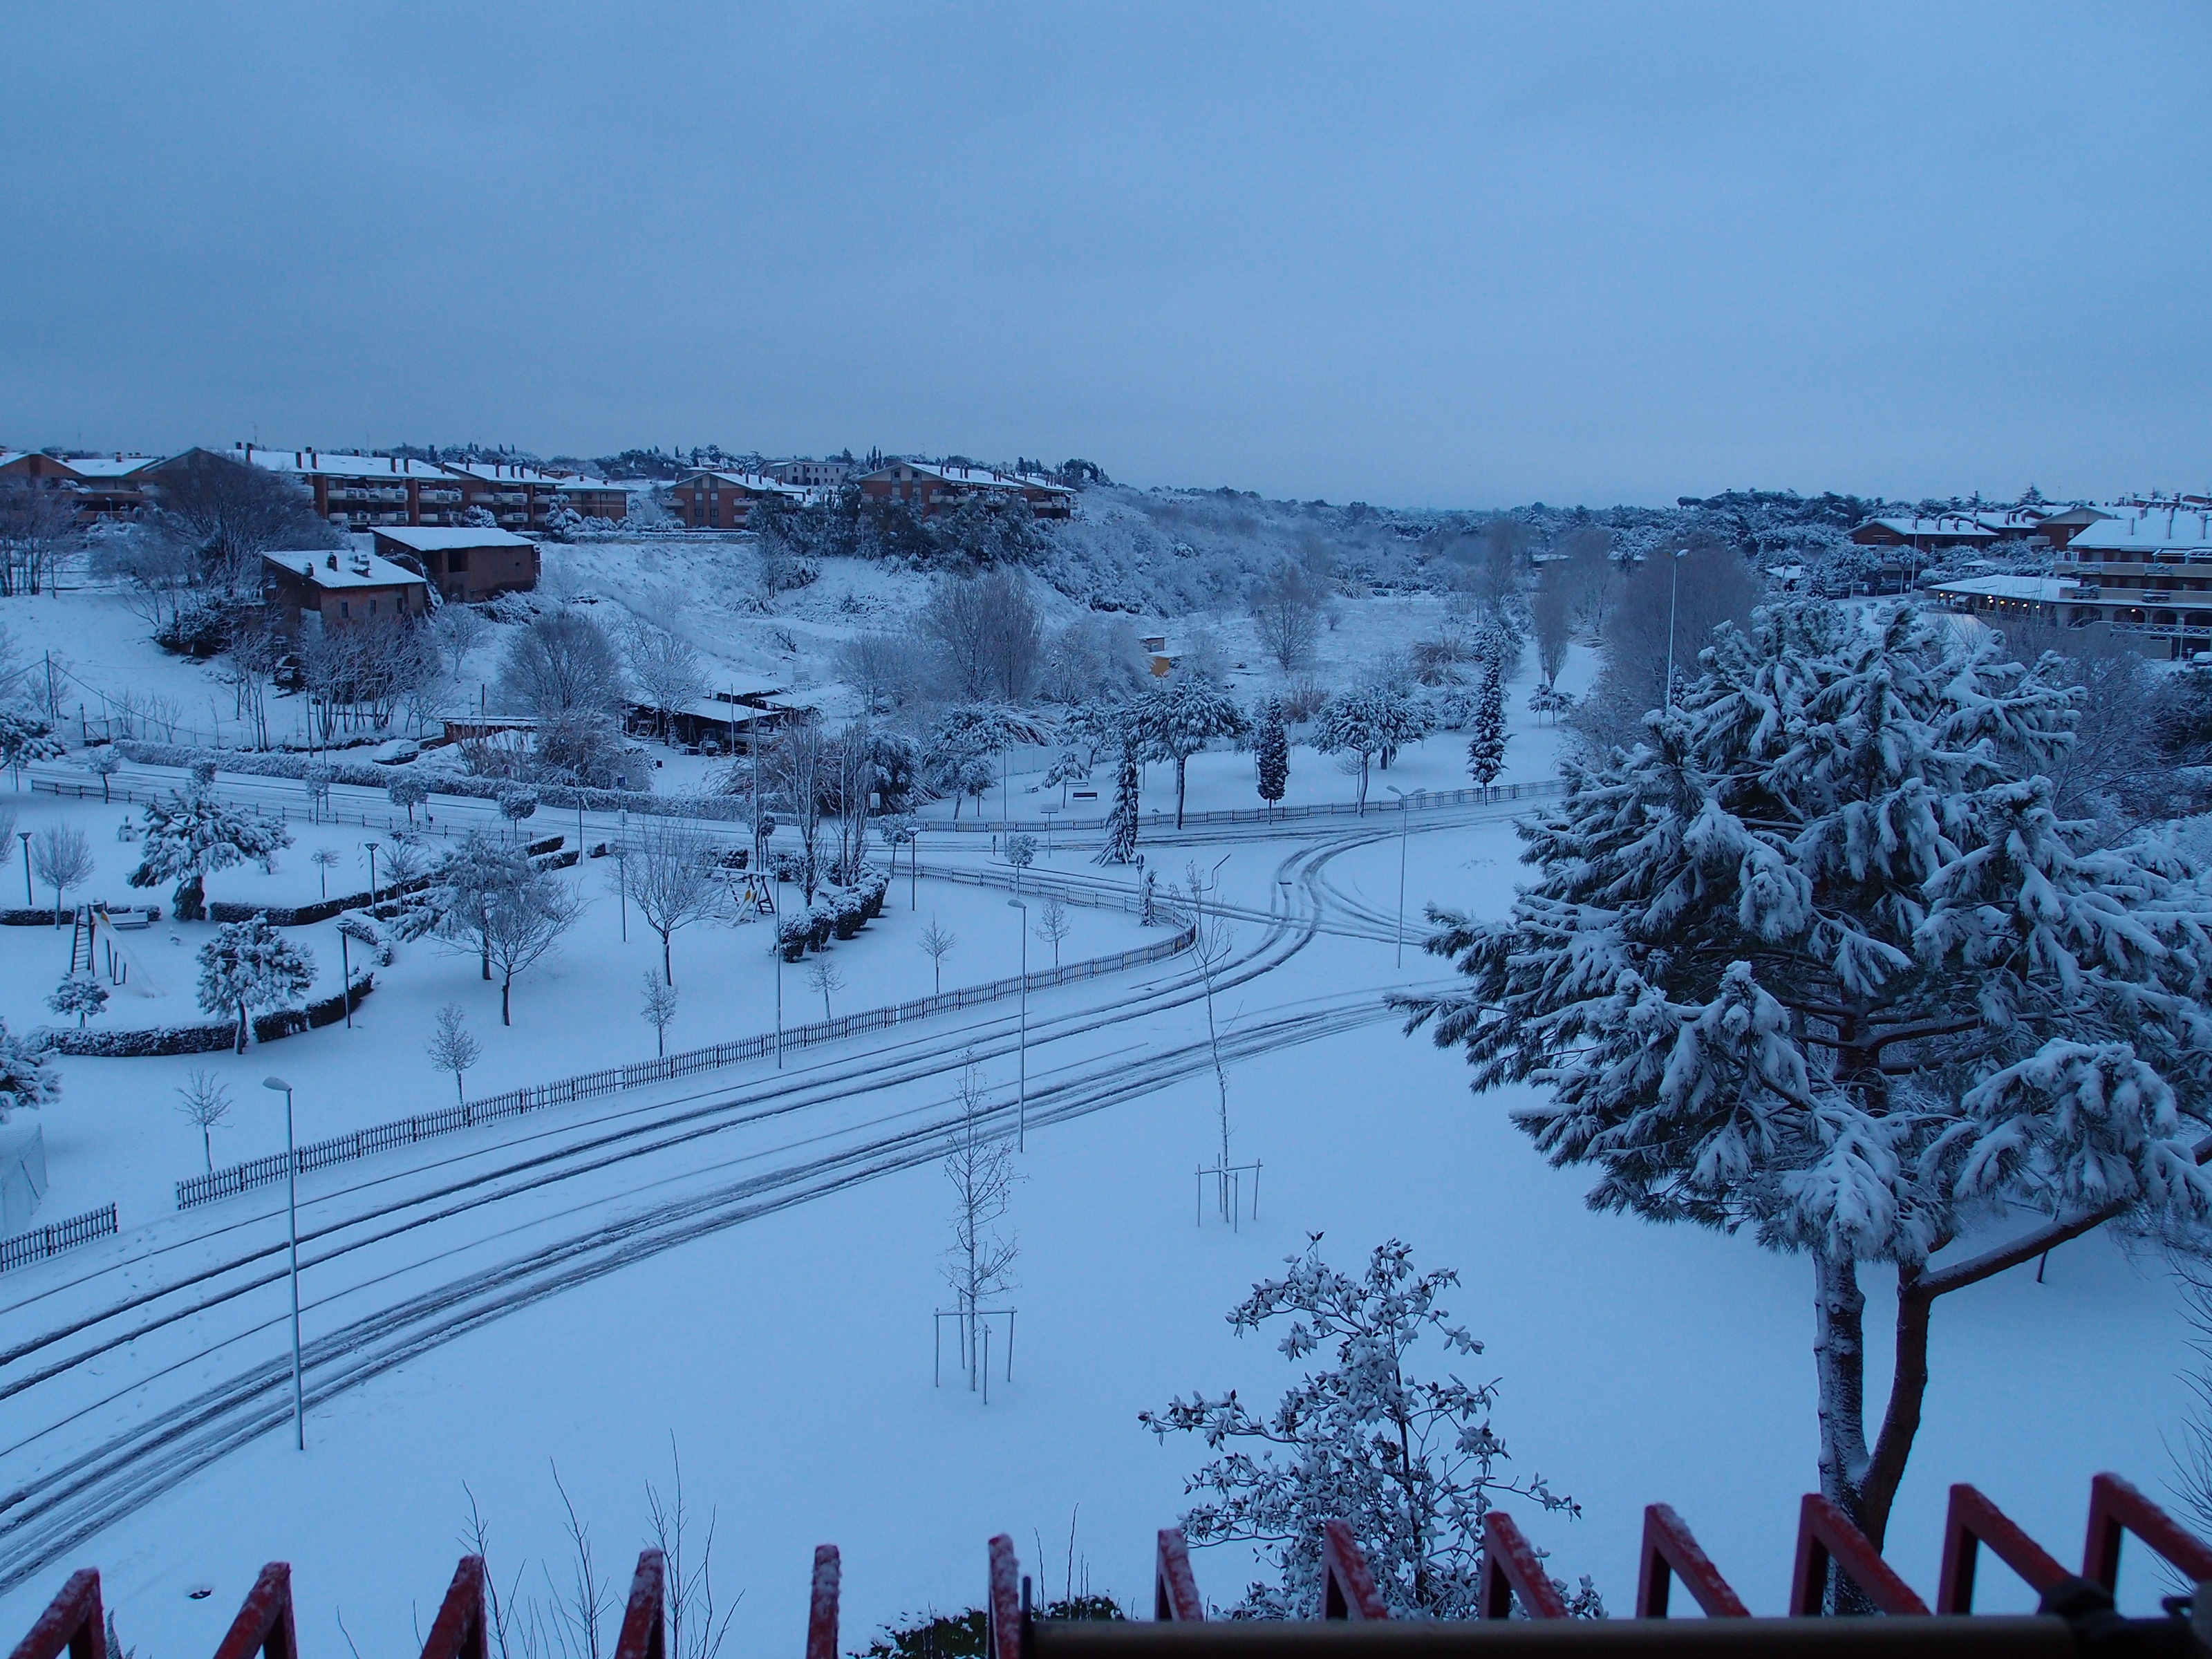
(107, 466)
(752, 480)
(975, 477)
(1956, 527)
(2153, 532)
(2042, 589)
(307, 463)
(334, 570)
(437, 541)
(582, 485)
(503, 472)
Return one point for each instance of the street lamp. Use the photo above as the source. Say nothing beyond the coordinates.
(1674, 592)
(1404, 804)
(24, 836)
(292, 1204)
(1022, 1093)
(778, 994)
(370, 845)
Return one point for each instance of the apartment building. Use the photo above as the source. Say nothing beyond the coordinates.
(363, 492)
(810, 474)
(595, 498)
(724, 500)
(929, 490)
(341, 589)
(100, 486)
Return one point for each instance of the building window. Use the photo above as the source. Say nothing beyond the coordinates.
(343, 610)
(457, 562)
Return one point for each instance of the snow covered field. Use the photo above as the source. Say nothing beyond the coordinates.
(745, 1266)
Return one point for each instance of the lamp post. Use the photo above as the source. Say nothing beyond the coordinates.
(1674, 593)
(24, 836)
(292, 1207)
(1022, 1088)
(779, 995)
(370, 845)
(1405, 805)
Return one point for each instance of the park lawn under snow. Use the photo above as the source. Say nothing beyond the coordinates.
(789, 1361)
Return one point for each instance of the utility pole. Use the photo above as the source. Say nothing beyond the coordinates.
(1674, 593)
(1022, 1094)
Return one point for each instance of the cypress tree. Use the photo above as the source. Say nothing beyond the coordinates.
(1271, 751)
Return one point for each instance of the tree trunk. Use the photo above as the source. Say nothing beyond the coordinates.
(667, 972)
(1840, 1361)
(1180, 761)
(242, 1028)
(1908, 1389)
(503, 987)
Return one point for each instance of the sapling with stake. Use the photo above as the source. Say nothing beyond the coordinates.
(1053, 926)
(205, 1102)
(936, 944)
(62, 860)
(979, 1164)
(658, 1009)
(822, 975)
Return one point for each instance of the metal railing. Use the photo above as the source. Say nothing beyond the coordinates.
(55, 1238)
(1491, 795)
(427, 1125)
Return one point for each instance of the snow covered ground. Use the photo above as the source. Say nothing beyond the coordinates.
(783, 1345)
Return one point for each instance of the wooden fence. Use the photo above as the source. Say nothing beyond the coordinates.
(55, 1238)
(1492, 795)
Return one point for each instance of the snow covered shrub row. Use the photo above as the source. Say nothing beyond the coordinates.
(156, 1041)
(838, 912)
(42, 916)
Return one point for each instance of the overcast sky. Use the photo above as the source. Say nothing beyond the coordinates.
(1468, 256)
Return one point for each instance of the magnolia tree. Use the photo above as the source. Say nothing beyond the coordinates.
(1410, 1464)
(1817, 960)
(190, 835)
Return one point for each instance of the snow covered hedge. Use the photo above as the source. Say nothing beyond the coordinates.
(154, 1041)
(250, 762)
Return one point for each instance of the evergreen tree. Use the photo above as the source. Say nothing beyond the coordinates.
(1271, 751)
(248, 965)
(79, 995)
(1175, 721)
(1368, 721)
(28, 1078)
(1818, 959)
(191, 834)
(1121, 823)
(1486, 745)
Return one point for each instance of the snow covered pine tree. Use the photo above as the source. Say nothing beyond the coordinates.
(1817, 958)
(1486, 743)
(191, 834)
(1120, 846)
(1271, 751)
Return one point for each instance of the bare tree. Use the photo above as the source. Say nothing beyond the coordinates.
(1551, 611)
(453, 1049)
(936, 944)
(1053, 927)
(1286, 610)
(676, 881)
(988, 634)
(562, 667)
(455, 630)
(231, 513)
(799, 761)
(522, 925)
(822, 975)
(38, 521)
(1585, 554)
(666, 667)
(1211, 940)
(205, 1104)
(156, 570)
(62, 860)
(658, 1009)
(979, 1265)
(1707, 585)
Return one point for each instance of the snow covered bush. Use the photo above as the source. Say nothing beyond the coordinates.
(28, 1078)
(1410, 1464)
(81, 994)
(1816, 958)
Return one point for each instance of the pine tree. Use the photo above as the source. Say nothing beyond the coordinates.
(1177, 721)
(248, 965)
(1271, 751)
(28, 1078)
(1818, 959)
(1485, 747)
(1121, 823)
(190, 835)
(79, 995)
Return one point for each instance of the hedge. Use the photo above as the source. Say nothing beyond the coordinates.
(42, 916)
(300, 916)
(160, 1040)
(252, 762)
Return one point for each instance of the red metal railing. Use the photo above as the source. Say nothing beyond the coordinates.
(458, 1632)
(1826, 1534)
(1347, 1589)
(72, 1620)
(1174, 1588)
(264, 1624)
(1670, 1553)
(1972, 1522)
(1510, 1569)
(644, 1620)
(2115, 1509)
(821, 1607)
(1004, 1600)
